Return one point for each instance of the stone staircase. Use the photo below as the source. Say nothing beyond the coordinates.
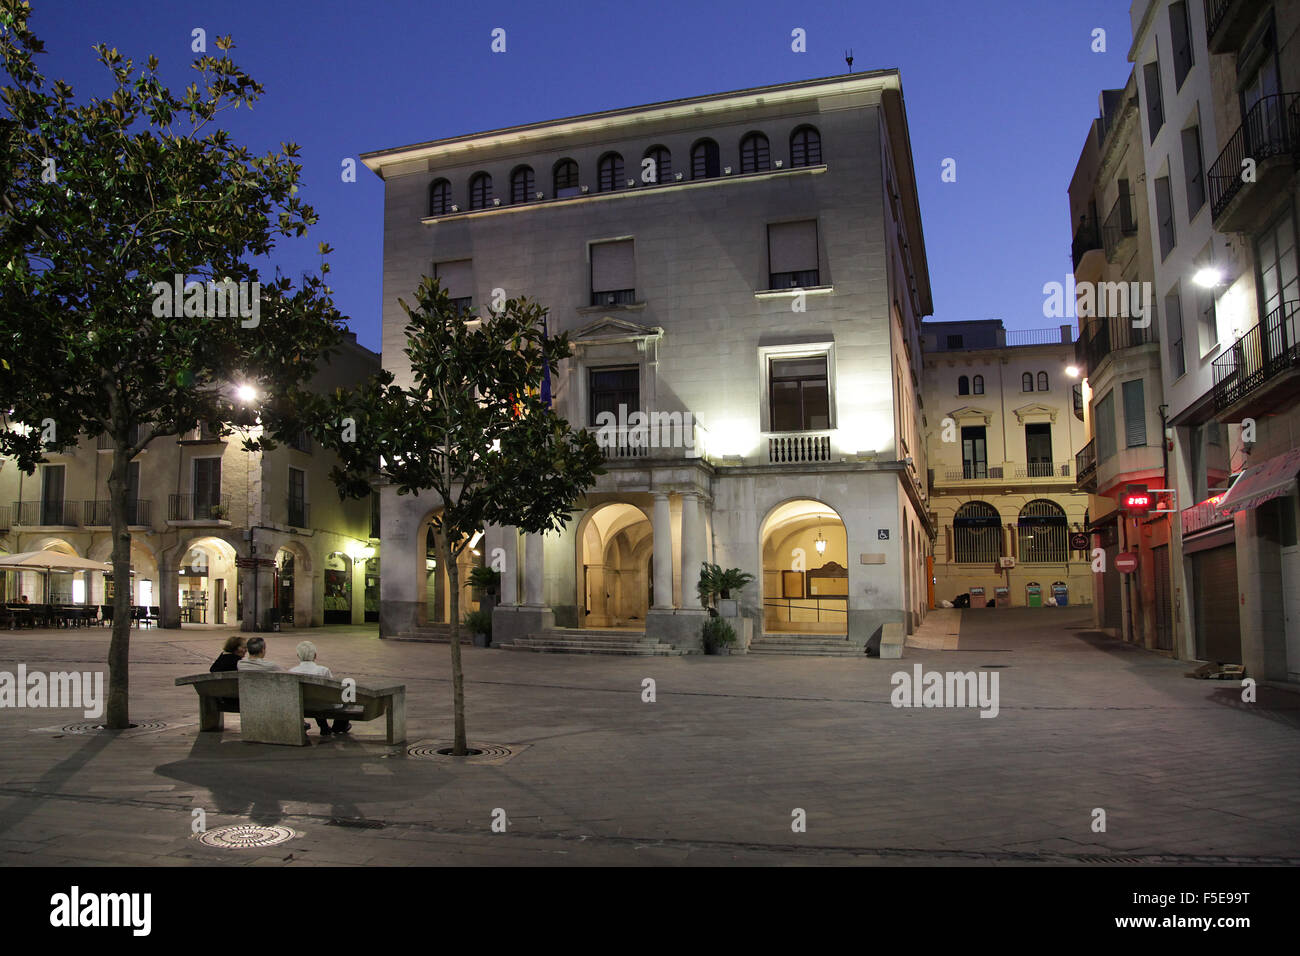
(806, 645)
(433, 634)
(579, 640)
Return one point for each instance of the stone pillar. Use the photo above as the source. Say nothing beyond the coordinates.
(534, 572)
(169, 583)
(663, 552)
(691, 550)
(510, 572)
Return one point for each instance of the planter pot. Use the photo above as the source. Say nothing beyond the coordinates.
(482, 640)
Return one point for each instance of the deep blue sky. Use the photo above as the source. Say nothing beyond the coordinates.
(1006, 88)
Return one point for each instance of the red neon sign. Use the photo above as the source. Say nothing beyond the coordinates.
(1137, 498)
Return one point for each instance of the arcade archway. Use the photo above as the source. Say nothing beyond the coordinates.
(805, 569)
(616, 545)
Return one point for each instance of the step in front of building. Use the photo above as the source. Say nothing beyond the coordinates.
(800, 645)
(573, 640)
(433, 634)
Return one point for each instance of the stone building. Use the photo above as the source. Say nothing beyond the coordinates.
(1005, 413)
(752, 262)
(199, 503)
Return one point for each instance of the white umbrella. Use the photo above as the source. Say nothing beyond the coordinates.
(48, 561)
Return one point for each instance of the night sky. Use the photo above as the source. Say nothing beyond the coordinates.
(1007, 89)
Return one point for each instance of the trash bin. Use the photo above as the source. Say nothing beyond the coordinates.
(1002, 596)
(1033, 595)
(1061, 591)
(977, 598)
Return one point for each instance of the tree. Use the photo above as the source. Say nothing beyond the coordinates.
(472, 427)
(128, 304)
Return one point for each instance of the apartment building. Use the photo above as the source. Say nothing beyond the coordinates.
(1005, 414)
(751, 263)
(1252, 380)
(219, 535)
(1118, 354)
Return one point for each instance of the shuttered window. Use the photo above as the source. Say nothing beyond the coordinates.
(1105, 427)
(613, 273)
(1174, 334)
(792, 255)
(457, 279)
(1165, 217)
(1155, 101)
(1180, 31)
(1135, 414)
(1193, 168)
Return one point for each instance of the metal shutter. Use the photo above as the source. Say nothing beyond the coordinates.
(1218, 627)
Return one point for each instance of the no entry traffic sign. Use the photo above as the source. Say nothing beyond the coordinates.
(1126, 562)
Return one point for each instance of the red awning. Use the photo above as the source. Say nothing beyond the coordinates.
(1263, 482)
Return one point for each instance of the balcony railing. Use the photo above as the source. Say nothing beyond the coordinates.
(1086, 237)
(974, 472)
(1102, 336)
(1267, 350)
(665, 435)
(42, 513)
(1228, 21)
(1035, 336)
(799, 447)
(1085, 462)
(4, 518)
(299, 513)
(139, 511)
(1043, 469)
(1271, 128)
(190, 508)
(1119, 226)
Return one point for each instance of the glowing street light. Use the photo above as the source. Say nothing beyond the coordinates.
(246, 394)
(1208, 277)
(1072, 371)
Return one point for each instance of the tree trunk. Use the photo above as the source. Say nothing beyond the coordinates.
(459, 747)
(119, 648)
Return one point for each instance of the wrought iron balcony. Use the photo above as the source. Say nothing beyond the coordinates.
(1228, 21)
(1268, 351)
(191, 508)
(1120, 225)
(974, 471)
(139, 511)
(1086, 238)
(1043, 469)
(1270, 136)
(1102, 336)
(1085, 463)
(35, 514)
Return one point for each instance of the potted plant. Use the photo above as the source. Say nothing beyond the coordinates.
(715, 581)
(217, 512)
(486, 583)
(718, 635)
(479, 623)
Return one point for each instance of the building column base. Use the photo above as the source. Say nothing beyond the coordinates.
(520, 620)
(681, 627)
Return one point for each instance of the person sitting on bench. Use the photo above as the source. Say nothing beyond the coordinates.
(231, 654)
(256, 659)
(307, 665)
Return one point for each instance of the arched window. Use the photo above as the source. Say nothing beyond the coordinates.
(978, 385)
(755, 153)
(662, 170)
(522, 184)
(963, 386)
(1027, 382)
(480, 191)
(705, 161)
(610, 173)
(805, 147)
(1042, 532)
(976, 533)
(1042, 381)
(566, 178)
(439, 197)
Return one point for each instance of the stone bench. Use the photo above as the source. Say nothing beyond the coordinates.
(892, 637)
(273, 705)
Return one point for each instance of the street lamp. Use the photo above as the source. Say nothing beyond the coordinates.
(1208, 277)
(1072, 371)
(246, 394)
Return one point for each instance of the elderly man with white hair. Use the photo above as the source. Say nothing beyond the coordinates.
(307, 665)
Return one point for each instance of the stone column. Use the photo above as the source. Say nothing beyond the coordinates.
(168, 595)
(663, 552)
(509, 544)
(534, 572)
(692, 549)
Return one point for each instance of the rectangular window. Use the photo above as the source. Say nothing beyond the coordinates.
(954, 341)
(457, 280)
(297, 498)
(374, 515)
(1165, 216)
(1155, 102)
(1174, 333)
(1194, 170)
(792, 255)
(974, 452)
(613, 273)
(301, 441)
(1104, 426)
(207, 487)
(612, 387)
(1208, 319)
(52, 494)
(1135, 414)
(1038, 450)
(1181, 31)
(799, 394)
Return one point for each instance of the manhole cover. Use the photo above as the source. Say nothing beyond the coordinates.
(483, 753)
(246, 836)
(144, 726)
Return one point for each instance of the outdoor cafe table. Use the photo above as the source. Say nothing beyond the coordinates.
(21, 613)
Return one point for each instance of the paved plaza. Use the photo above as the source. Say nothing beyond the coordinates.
(711, 772)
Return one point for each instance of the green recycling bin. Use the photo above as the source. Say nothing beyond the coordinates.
(1033, 596)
